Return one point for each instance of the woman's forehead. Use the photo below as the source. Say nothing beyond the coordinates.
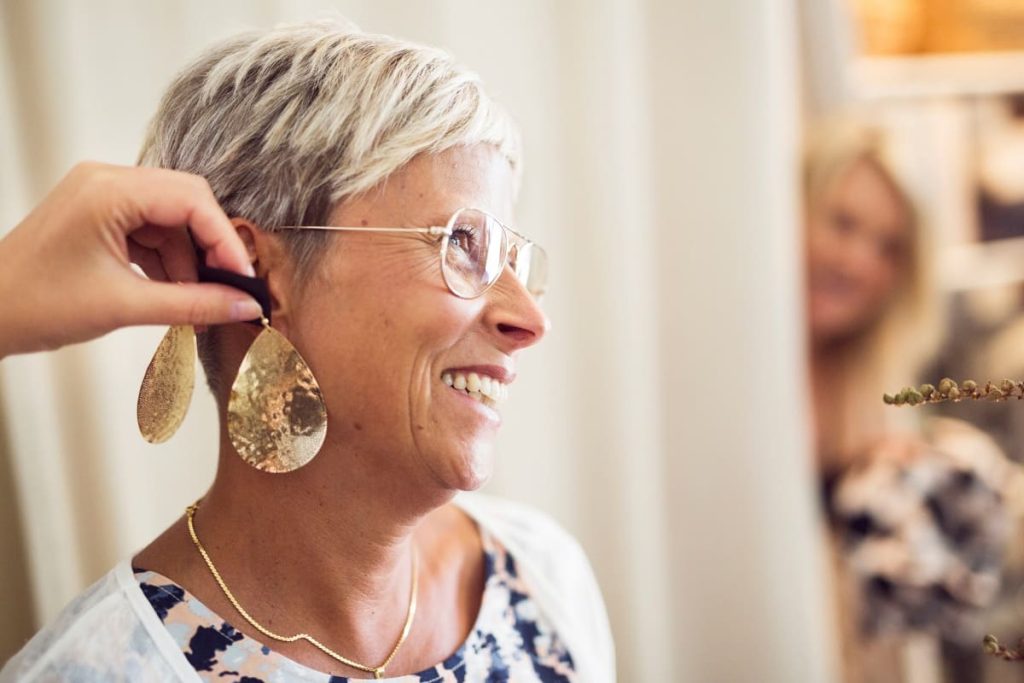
(431, 187)
(474, 174)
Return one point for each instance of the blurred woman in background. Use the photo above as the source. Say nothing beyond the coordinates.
(899, 492)
(870, 304)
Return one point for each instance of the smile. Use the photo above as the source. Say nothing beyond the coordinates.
(483, 388)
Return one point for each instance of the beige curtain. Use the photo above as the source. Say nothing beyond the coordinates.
(662, 421)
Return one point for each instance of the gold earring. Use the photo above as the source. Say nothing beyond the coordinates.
(277, 420)
(167, 386)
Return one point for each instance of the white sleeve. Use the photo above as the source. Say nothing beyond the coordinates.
(97, 637)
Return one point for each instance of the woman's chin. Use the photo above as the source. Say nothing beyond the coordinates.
(471, 470)
(457, 463)
(836, 326)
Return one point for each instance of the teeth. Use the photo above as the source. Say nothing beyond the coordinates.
(481, 387)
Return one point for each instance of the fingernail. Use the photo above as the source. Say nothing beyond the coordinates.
(249, 270)
(246, 309)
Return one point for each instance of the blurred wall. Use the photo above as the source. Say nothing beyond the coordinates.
(662, 421)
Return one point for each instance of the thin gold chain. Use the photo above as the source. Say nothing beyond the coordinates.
(377, 671)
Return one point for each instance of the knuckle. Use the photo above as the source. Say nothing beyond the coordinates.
(202, 184)
(86, 167)
(92, 184)
(85, 172)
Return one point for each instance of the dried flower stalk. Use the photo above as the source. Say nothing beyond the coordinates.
(949, 390)
(992, 647)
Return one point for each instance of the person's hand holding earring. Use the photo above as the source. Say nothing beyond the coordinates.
(65, 274)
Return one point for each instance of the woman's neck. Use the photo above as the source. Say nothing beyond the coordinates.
(332, 522)
(827, 370)
(326, 550)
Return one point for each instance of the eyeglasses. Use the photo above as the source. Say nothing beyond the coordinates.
(475, 248)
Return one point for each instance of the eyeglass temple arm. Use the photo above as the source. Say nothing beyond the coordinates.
(436, 230)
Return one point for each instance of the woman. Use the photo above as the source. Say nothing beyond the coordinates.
(867, 313)
(870, 311)
(344, 160)
(900, 494)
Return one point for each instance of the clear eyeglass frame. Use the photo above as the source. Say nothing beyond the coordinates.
(468, 276)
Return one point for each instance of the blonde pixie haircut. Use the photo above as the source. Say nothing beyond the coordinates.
(287, 123)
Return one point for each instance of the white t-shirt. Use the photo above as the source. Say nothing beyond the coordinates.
(110, 632)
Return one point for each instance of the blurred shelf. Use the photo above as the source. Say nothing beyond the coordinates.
(947, 75)
(982, 264)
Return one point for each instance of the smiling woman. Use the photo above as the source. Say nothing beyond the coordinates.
(869, 283)
(870, 316)
(339, 156)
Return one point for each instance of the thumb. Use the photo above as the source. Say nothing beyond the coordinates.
(189, 303)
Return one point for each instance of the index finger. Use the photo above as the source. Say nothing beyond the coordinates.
(174, 198)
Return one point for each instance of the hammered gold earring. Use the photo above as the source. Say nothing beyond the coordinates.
(277, 420)
(167, 386)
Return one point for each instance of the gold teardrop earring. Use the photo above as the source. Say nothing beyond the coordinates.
(277, 420)
(167, 386)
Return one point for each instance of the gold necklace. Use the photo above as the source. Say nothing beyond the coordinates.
(377, 671)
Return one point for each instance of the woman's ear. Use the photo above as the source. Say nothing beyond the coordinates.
(248, 232)
(267, 254)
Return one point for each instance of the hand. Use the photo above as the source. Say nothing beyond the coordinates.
(65, 273)
(901, 449)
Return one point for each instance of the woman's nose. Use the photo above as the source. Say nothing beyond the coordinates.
(864, 257)
(514, 314)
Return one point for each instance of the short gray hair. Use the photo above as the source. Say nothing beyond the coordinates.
(287, 123)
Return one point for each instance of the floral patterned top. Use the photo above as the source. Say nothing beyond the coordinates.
(510, 641)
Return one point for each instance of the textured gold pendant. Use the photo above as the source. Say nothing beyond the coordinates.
(277, 420)
(167, 386)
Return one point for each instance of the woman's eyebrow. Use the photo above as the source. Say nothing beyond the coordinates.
(439, 220)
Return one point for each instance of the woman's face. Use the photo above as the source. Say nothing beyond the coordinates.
(381, 330)
(857, 251)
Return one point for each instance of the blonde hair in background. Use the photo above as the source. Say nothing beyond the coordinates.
(892, 349)
(287, 123)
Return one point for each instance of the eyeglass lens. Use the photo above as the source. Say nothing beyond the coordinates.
(475, 251)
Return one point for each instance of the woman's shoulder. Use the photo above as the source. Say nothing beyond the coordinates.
(98, 636)
(523, 527)
(559, 573)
